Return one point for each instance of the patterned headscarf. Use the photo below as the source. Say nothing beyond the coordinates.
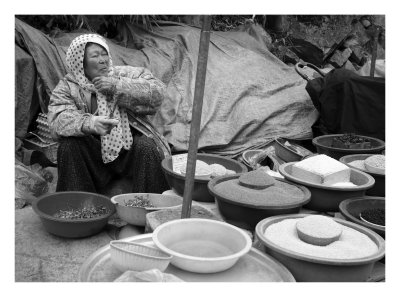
(120, 136)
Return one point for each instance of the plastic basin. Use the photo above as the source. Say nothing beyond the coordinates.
(287, 154)
(246, 215)
(47, 205)
(202, 245)
(200, 192)
(327, 198)
(379, 187)
(324, 146)
(351, 208)
(315, 269)
(134, 256)
(137, 215)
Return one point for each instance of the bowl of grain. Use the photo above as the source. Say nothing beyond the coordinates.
(326, 198)
(357, 161)
(73, 214)
(202, 245)
(339, 145)
(176, 180)
(348, 259)
(133, 207)
(245, 199)
(373, 209)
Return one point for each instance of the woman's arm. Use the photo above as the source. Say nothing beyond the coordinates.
(138, 90)
(64, 117)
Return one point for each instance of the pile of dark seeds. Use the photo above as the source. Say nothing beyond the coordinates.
(350, 138)
(83, 213)
(375, 216)
(139, 201)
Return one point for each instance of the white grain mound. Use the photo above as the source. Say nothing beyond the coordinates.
(352, 244)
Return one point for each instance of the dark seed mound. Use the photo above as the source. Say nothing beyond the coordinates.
(374, 216)
(83, 213)
(256, 179)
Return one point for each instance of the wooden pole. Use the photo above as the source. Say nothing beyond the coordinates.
(196, 115)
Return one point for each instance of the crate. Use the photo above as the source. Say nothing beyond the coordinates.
(49, 149)
(41, 139)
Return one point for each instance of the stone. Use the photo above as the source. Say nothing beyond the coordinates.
(340, 57)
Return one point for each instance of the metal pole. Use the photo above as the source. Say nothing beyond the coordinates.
(196, 115)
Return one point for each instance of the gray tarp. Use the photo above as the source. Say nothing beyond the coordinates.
(250, 95)
(25, 104)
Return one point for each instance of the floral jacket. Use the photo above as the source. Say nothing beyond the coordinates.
(137, 90)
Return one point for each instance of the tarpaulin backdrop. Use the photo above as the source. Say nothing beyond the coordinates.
(349, 103)
(250, 96)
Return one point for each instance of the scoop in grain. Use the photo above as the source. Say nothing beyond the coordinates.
(318, 230)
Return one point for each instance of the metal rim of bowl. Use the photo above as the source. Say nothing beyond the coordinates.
(204, 180)
(344, 161)
(343, 210)
(211, 188)
(370, 183)
(75, 221)
(115, 202)
(162, 247)
(316, 143)
(380, 253)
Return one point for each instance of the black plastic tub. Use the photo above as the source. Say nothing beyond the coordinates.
(200, 192)
(324, 146)
(327, 198)
(48, 205)
(245, 215)
(351, 209)
(379, 187)
(315, 269)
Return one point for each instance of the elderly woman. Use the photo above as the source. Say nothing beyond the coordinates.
(98, 113)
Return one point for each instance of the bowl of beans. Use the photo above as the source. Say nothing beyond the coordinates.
(366, 211)
(73, 214)
(349, 258)
(339, 145)
(133, 207)
(357, 161)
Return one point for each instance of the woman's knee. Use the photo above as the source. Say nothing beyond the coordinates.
(146, 146)
(71, 146)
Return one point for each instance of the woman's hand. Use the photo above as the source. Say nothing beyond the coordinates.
(102, 125)
(105, 85)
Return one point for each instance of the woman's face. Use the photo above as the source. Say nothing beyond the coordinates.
(96, 61)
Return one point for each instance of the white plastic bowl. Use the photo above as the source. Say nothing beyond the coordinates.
(137, 257)
(202, 245)
(137, 215)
